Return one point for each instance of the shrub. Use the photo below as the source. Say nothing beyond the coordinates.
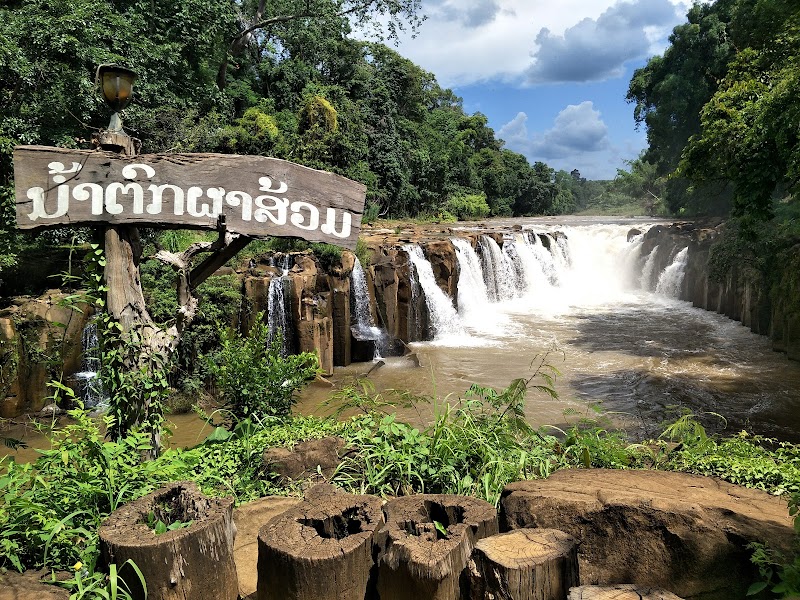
(255, 380)
(468, 206)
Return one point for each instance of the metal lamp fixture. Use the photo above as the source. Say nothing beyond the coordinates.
(116, 84)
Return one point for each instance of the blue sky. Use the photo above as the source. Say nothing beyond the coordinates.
(550, 75)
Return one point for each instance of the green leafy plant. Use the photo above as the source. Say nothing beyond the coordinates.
(468, 206)
(255, 380)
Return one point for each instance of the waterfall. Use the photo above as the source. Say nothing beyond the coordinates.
(646, 279)
(443, 317)
(497, 270)
(279, 313)
(472, 293)
(280, 261)
(90, 388)
(364, 325)
(545, 267)
(671, 278)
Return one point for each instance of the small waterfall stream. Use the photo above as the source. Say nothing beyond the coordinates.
(279, 313)
(472, 293)
(498, 274)
(671, 278)
(363, 324)
(646, 278)
(443, 317)
(90, 390)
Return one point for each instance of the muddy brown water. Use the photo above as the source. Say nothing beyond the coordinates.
(639, 355)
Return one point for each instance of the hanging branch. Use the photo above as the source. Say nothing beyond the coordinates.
(238, 44)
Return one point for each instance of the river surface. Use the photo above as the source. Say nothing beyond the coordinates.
(627, 351)
(636, 355)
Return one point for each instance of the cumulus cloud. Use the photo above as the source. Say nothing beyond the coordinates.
(578, 129)
(469, 41)
(469, 13)
(578, 139)
(597, 49)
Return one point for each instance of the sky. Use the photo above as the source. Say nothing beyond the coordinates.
(550, 75)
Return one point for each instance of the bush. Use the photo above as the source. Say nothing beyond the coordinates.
(255, 380)
(468, 206)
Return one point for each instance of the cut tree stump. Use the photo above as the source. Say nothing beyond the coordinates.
(191, 563)
(620, 591)
(427, 542)
(525, 564)
(321, 549)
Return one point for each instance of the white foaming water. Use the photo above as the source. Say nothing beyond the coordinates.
(671, 279)
(279, 316)
(364, 323)
(498, 273)
(477, 313)
(472, 294)
(584, 271)
(645, 281)
(443, 317)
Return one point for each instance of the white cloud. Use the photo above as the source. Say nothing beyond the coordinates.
(469, 41)
(597, 49)
(578, 139)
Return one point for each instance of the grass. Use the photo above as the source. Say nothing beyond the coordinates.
(50, 510)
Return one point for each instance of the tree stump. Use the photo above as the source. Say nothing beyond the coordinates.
(320, 549)
(525, 564)
(190, 563)
(427, 542)
(620, 591)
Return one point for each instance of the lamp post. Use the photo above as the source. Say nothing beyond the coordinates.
(116, 84)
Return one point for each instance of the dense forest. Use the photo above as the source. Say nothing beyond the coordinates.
(721, 109)
(289, 82)
(287, 79)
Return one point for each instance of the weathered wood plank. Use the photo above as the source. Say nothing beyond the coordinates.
(259, 196)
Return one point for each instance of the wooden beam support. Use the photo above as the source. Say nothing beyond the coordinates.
(213, 262)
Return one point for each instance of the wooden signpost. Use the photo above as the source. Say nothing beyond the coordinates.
(242, 197)
(253, 196)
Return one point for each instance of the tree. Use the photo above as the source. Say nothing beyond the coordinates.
(748, 133)
(383, 18)
(671, 90)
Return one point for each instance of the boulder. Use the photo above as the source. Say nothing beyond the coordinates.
(685, 533)
(40, 339)
(16, 586)
(302, 461)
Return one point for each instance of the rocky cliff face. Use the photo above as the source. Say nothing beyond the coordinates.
(34, 348)
(767, 308)
(39, 338)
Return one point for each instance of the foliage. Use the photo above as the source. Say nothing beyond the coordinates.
(467, 207)
(51, 509)
(255, 380)
(475, 446)
(721, 108)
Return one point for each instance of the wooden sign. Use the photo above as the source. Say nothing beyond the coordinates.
(259, 197)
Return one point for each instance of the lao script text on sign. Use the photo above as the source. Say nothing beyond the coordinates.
(259, 196)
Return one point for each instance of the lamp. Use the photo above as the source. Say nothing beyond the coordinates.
(116, 84)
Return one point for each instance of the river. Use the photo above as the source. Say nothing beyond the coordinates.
(627, 350)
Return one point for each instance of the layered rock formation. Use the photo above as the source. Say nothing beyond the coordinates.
(768, 308)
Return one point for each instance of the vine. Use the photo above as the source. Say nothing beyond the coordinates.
(133, 375)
